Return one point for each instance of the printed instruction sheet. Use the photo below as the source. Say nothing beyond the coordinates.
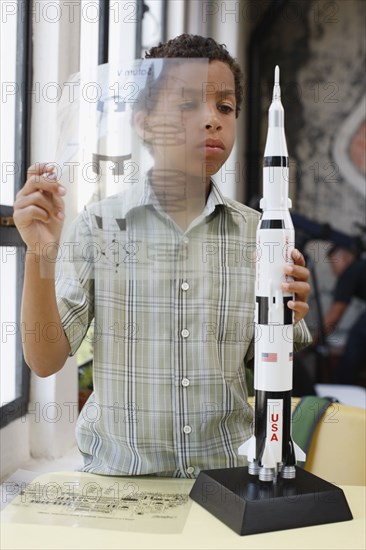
(77, 499)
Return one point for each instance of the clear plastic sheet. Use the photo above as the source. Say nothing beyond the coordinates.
(133, 136)
(71, 499)
(103, 149)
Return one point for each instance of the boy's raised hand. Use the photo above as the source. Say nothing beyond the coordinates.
(300, 286)
(39, 208)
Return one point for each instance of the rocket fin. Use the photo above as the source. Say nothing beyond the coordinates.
(248, 448)
(299, 453)
(267, 459)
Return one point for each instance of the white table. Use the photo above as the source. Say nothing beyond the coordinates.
(27, 525)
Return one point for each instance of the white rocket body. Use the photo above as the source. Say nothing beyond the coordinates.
(271, 450)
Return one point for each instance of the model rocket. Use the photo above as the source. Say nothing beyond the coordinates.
(270, 450)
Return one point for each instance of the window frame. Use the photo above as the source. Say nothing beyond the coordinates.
(9, 235)
(103, 33)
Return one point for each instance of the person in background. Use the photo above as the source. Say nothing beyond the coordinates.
(351, 283)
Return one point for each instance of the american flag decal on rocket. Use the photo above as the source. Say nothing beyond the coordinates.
(269, 357)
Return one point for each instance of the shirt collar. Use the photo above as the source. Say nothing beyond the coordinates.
(143, 195)
(216, 198)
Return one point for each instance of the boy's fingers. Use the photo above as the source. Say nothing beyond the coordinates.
(39, 168)
(300, 273)
(42, 183)
(297, 257)
(300, 288)
(26, 216)
(300, 309)
(52, 204)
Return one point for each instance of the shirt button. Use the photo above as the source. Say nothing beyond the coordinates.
(185, 286)
(185, 333)
(185, 240)
(185, 382)
(187, 429)
(190, 470)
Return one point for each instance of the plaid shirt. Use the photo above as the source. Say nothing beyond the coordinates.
(173, 314)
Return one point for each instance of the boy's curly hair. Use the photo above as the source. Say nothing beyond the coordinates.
(190, 46)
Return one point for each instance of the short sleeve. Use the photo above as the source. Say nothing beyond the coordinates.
(75, 283)
(302, 336)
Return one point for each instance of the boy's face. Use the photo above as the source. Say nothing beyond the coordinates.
(191, 126)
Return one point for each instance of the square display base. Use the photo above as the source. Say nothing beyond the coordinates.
(250, 506)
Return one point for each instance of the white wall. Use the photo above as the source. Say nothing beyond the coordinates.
(14, 447)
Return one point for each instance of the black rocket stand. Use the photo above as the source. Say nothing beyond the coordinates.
(249, 506)
(272, 493)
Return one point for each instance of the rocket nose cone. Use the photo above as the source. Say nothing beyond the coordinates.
(276, 86)
(277, 75)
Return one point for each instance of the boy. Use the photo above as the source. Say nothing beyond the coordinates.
(174, 312)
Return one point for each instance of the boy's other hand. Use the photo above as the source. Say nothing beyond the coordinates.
(39, 208)
(300, 286)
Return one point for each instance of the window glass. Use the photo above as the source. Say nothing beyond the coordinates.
(9, 327)
(14, 49)
(8, 34)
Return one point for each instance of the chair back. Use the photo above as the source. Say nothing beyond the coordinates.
(338, 448)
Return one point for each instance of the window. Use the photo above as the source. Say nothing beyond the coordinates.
(15, 55)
